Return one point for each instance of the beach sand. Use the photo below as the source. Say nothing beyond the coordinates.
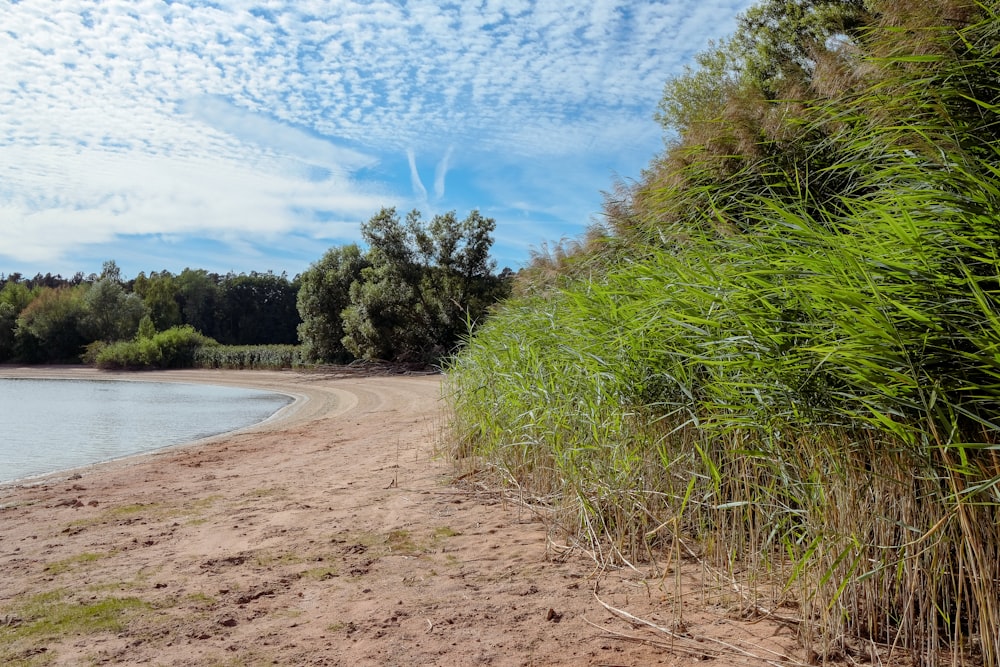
(332, 534)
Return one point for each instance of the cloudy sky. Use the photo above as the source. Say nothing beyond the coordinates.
(240, 136)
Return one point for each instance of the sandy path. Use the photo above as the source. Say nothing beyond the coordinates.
(330, 536)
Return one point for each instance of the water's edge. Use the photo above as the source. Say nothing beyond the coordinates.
(263, 382)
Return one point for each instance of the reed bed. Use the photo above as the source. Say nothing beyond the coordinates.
(250, 357)
(804, 380)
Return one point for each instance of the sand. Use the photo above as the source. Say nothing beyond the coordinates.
(333, 534)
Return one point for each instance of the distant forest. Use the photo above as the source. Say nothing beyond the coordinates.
(50, 318)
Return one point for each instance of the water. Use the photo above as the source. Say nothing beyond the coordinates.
(50, 425)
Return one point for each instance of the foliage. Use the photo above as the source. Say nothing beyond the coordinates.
(791, 352)
(426, 283)
(50, 325)
(198, 297)
(324, 294)
(146, 328)
(110, 313)
(257, 309)
(173, 348)
(159, 292)
(411, 295)
(14, 298)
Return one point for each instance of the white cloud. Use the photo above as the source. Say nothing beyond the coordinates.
(419, 191)
(225, 118)
(441, 172)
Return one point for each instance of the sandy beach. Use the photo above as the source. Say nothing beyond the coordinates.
(333, 534)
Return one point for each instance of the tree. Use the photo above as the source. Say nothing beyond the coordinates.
(424, 284)
(109, 313)
(110, 271)
(160, 294)
(779, 39)
(52, 323)
(198, 297)
(14, 298)
(701, 92)
(324, 294)
(773, 50)
(257, 309)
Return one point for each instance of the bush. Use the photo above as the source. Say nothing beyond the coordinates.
(173, 348)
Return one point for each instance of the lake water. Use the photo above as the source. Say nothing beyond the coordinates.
(50, 425)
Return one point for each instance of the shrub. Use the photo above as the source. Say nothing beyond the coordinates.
(173, 348)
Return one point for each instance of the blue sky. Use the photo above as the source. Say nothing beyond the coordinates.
(242, 136)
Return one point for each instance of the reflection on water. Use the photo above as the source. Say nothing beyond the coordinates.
(49, 425)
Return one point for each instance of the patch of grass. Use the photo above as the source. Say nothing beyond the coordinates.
(58, 614)
(203, 503)
(401, 542)
(124, 513)
(74, 562)
(128, 510)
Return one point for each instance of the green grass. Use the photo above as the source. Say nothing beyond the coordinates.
(57, 615)
(74, 562)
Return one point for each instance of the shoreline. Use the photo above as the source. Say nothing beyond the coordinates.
(186, 376)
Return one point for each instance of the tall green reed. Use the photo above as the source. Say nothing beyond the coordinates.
(803, 379)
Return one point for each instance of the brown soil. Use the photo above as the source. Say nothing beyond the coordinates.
(332, 535)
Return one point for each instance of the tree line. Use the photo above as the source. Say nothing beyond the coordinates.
(411, 294)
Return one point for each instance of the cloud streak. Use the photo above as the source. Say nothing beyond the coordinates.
(440, 172)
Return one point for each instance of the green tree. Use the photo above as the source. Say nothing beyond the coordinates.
(700, 94)
(110, 313)
(424, 284)
(14, 298)
(324, 294)
(773, 53)
(146, 328)
(160, 294)
(51, 323)
(779, 40)
(110, 271)
(198, 292)
(257, 309)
